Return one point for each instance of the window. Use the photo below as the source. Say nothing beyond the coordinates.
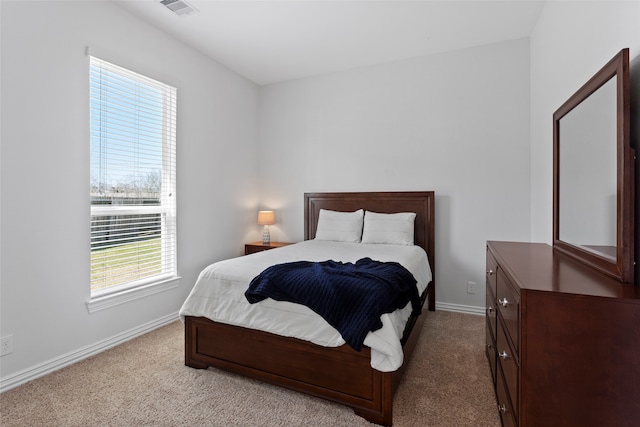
(133, 170)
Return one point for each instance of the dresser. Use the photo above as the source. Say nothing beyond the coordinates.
(562, 340)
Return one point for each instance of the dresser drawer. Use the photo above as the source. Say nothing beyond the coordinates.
(508, 305)
(508, 364)
(491, 312)
(492, 267)
(492, 315)
(490, 349)
(504, 406)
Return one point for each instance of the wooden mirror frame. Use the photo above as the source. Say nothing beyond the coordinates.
(622, 268)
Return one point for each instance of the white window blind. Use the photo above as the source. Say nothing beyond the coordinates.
(133, 170)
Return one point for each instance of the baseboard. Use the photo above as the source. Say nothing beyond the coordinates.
(29, 374)
(459, 308)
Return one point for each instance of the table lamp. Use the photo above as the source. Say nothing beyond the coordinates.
(266, 218)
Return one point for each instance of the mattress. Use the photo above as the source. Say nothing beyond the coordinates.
(219, 296)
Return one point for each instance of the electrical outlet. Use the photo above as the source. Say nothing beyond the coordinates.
(471, 287)
(6, 345)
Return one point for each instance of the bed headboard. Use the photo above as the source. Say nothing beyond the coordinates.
(420, 202)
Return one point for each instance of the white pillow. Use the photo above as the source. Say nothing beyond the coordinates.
(394, 229)
(340, 226)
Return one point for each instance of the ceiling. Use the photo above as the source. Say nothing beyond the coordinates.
(273, 41)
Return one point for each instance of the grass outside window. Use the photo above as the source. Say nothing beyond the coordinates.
(107, 268)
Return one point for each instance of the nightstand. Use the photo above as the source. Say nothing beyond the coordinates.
(251, 248)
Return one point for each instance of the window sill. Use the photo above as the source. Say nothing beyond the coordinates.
(102, 302)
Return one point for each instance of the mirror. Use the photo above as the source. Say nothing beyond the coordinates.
(593, 177)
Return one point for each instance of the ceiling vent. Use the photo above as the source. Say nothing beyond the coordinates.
(179, 7)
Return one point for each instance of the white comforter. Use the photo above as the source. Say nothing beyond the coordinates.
(219, 295)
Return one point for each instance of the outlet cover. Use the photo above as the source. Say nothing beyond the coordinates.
(6, 345)
(471, 287)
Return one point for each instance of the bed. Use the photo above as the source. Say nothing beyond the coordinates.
(336, 372)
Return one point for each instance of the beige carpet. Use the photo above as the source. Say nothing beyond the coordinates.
(144, 383)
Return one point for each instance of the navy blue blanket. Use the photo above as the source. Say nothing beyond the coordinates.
(350, 297)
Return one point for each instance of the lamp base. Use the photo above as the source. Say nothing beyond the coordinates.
(266, 237)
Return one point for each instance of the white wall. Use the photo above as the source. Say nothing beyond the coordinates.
(456, 123)
(570, 43)
(44, 279)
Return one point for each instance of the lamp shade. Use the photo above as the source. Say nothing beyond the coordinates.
(266, 218)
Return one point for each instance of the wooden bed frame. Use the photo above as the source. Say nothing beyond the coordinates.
(339, 374)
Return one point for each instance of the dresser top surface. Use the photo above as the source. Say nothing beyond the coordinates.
(536, 266)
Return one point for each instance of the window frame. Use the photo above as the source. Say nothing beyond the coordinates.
(167, 210)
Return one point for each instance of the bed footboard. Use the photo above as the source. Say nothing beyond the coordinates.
(339, 374)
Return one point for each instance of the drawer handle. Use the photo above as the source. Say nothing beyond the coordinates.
(489, 346)
(490, 309)
(502, 408)
(503, 302)
(490, 272)
(503, 355)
